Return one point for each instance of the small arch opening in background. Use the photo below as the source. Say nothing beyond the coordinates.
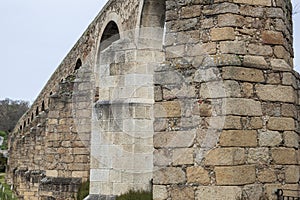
(49, 99)
(24, 124)
(21, 128)
(78, 64)
(110, 34)
(37, 111)
(43, 106)
(32, 116)
(28, 121)
(153, 14)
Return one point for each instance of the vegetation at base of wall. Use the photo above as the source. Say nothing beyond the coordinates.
(5, 191)
(3, 163)
(136, 195)
(83, 190)
(4, 144)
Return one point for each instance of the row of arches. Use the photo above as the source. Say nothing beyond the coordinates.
(110, 35)
(34, 114)
(42, 107)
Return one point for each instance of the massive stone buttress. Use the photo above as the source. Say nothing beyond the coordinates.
(190, 99)
(227, 117)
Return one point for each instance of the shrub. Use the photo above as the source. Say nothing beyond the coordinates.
(3, 159)
(83, 190)
(136, 195)
(4, 144)
(3, 162)
(5, 191)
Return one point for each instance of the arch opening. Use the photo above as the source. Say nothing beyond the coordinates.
(37, 111)
(110, 34)
(153, 21)
(153, 14)
(78, 64)
(43, 106)
(50, 94)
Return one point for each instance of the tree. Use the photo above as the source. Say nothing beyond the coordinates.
(10, 113)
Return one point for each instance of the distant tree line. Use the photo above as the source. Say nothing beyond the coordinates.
(10, 113)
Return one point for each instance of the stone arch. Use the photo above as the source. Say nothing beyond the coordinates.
(153, 13)
(152, 23)
(110, 34)
(111, 17)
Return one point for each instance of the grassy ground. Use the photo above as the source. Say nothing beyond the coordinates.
(136, 195)
(83, 190)
(5, 192)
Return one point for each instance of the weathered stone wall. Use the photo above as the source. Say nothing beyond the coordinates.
(50, 146)
(51, 158)
(226, 102)
(211, 111)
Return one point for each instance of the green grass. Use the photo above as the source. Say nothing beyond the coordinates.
(83, 190)
(5, 192)
(136, 195)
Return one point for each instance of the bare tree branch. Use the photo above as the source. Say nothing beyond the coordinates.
(296, 9)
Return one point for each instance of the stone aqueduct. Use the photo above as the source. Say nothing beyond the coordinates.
(193, 99)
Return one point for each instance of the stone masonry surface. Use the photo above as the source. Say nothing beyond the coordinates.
(192, 99)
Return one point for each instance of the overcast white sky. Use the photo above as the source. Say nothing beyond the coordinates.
(36, 35)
